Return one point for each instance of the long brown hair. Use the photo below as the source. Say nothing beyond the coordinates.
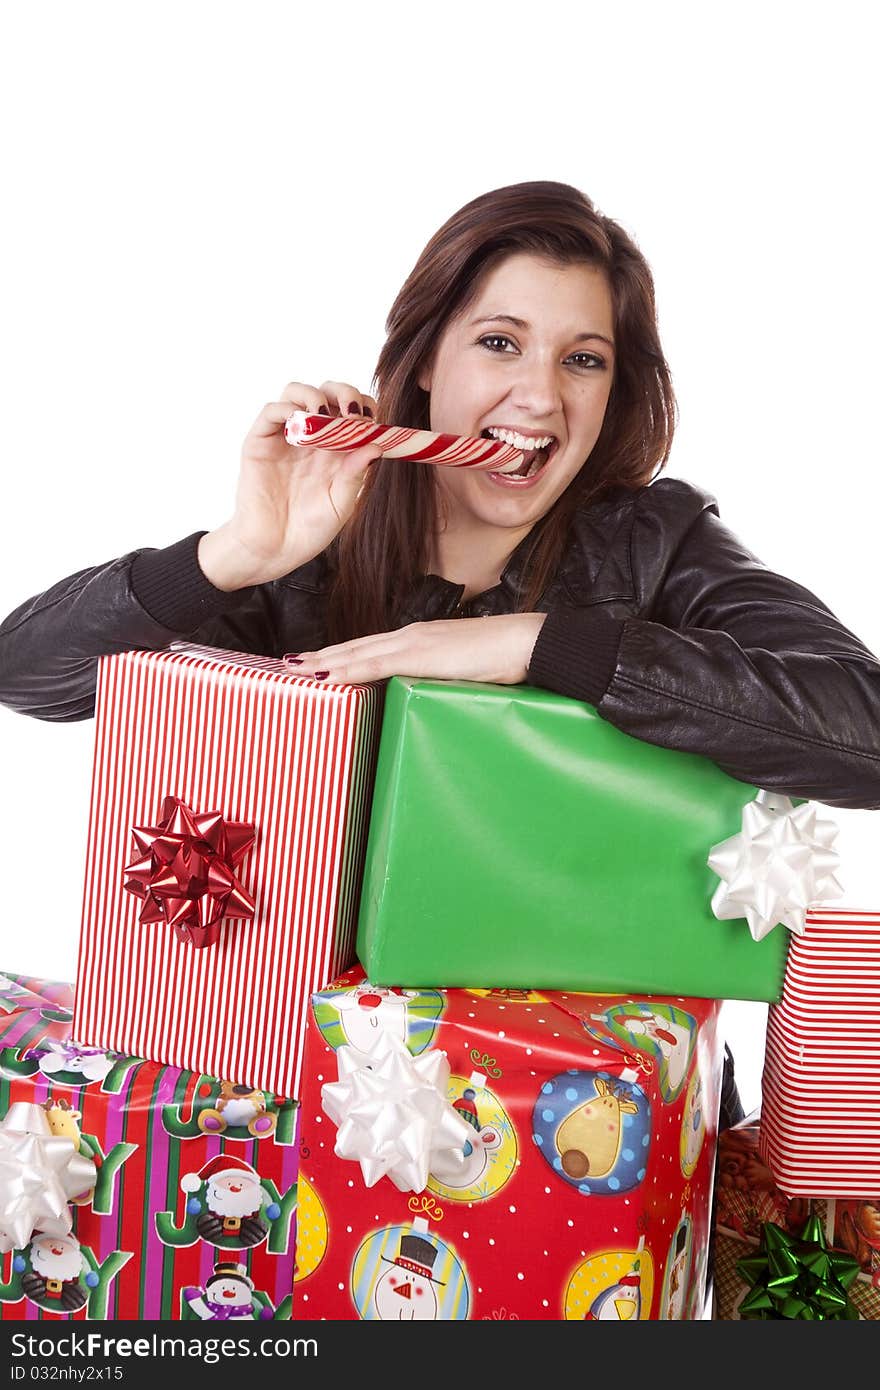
(382, 553)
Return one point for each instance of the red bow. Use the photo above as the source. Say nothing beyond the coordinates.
(185, 871)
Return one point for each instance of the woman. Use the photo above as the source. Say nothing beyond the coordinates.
(527, 312)
(532, 315)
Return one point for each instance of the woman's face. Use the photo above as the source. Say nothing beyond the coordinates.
(533, 355)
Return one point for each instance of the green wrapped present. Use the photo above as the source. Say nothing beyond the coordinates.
(518, 840)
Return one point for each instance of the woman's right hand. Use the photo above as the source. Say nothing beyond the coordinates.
(291, 501)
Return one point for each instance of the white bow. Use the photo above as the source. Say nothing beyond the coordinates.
(778, 864)
(392, 1113)
(39, 1174)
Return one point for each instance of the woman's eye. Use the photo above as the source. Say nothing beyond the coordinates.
(491, 338)
(589, 359)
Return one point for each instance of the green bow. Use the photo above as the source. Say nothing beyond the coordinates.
(797, 1277)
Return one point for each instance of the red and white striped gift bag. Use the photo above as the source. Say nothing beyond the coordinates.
(242, 735)
(820, 1113)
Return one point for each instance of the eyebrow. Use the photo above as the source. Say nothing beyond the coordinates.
(521, 323)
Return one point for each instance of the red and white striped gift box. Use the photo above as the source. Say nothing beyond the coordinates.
(243, 735)
(820, 1113)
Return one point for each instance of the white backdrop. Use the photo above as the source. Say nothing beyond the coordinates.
(204, 201)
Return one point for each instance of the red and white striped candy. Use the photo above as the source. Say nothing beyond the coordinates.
(346, 432)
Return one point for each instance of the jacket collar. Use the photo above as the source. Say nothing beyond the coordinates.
(591, 540)
(436, 597)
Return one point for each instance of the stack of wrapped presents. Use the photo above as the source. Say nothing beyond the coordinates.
(404, 1003)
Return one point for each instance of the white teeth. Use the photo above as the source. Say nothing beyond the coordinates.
(521, 441)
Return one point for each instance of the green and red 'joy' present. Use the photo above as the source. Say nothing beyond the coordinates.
(45, 1014)
(190, 1208)
(492, 1153)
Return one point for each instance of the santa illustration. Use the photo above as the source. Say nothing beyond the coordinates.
(229, 1293)
(54, 1278)
(671, 1039)
(368, 1008)
(406, 1290)
(675, 1282)
(234, 1199)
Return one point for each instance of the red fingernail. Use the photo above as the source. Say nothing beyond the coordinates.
(354, 408)
(293, 659)
(368, 411)
(320, 675)
(323, 410)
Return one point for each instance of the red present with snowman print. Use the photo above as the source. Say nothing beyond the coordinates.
(490, 1153)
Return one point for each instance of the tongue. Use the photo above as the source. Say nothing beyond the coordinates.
(528, 457)
(525, 465)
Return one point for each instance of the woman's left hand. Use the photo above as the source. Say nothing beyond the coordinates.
(492, 649)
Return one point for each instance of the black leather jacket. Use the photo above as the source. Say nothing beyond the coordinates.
(657, 615)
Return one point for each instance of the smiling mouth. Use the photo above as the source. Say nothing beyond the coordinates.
(534, 460)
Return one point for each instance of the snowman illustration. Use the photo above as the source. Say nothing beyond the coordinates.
(228, 1294)
(405, 1292)
(368, 1008)
(693, 1126)
(72, 1064)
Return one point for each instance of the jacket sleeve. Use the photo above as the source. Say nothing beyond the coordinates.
(731, 661)
(50, 645)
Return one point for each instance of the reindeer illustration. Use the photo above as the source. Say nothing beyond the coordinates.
(62, 1119)
(64, 1124)
(589, 1139)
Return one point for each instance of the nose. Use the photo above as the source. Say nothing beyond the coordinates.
(537, 389)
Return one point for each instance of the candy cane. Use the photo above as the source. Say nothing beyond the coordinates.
(347, 432)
